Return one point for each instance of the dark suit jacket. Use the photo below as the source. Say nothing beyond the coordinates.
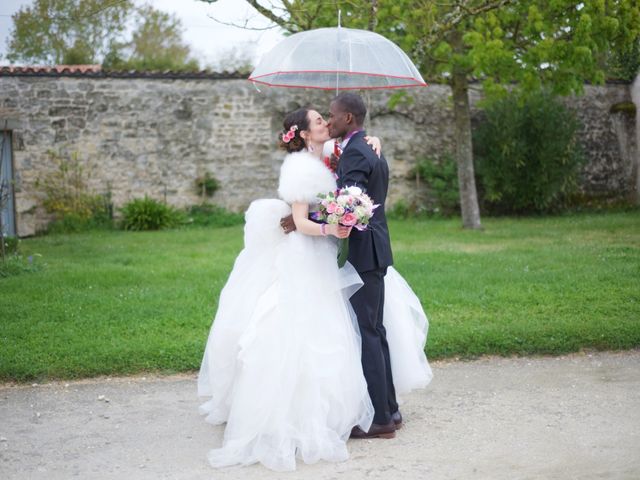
(360, 166)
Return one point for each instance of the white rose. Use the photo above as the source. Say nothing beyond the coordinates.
(354, 190)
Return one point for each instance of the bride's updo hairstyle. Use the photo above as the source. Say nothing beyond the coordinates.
(294, 123)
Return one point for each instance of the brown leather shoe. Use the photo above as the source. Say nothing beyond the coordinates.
(376, 431)
(397, 419)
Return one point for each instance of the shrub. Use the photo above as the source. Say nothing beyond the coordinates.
(441, 177)
(12, 262)
(527, 154)
(207, 185)
(624, 64)
(207, 215)
(400, 210)
(11, 245)
(67, 197)
(16, 264)
(149, 214)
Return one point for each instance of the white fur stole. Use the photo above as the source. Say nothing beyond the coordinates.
(303, 177)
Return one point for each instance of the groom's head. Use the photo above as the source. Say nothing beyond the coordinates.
(346, 113)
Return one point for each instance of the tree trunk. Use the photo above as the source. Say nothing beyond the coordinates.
(464, 153)
(373, 16)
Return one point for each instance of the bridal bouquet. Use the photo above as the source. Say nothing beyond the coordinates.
(348, 206)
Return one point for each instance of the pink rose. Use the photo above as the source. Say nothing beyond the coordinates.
(331, 208)
(349, 220)
(339, 210)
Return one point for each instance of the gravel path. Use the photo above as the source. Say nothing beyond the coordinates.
(568, 417)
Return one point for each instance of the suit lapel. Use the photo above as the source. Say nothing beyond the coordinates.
(358, 135)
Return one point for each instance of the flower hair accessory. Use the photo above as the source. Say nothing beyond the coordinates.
(287, 137)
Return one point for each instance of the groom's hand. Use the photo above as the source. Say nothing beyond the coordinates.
(287, 224)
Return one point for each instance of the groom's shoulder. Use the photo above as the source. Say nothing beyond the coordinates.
(361, 148)
(358, 145)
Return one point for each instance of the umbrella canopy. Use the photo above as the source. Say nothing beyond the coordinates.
(337, 58)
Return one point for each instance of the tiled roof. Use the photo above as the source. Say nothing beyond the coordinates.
(98, 71)
(51, 69)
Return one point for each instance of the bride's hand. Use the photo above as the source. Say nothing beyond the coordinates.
(338, 231)
(375, 144)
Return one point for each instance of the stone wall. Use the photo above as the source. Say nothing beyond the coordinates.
(635, 177)
(154, 136)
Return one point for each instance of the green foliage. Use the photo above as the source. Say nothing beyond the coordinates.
(581, 202)
(75, 208)
(532, 42)
(156, 44)
(624, 107)
(624, 63)
(441, 178)
(400, 210)
(79, 54)
(102, 218)
(529, 43)
(11, 245)
(235, 58)
(149, 214)
(207, 215)
(74, 31)
(207, 185)
(15, 264)
(527, 154)
(92, 31)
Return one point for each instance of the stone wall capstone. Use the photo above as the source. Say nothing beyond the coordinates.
(155, 136)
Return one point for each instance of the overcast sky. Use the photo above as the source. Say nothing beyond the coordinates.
(208, 39)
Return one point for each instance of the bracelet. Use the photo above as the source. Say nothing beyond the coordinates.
(322, 229)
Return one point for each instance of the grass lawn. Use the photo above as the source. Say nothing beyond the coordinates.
(122, 302)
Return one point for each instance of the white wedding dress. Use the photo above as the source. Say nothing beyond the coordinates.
(282, 362)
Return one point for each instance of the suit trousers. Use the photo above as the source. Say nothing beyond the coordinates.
(368, 303)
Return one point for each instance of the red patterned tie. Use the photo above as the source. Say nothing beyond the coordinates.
(337, 149)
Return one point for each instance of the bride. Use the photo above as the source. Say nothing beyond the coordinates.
(282, 362)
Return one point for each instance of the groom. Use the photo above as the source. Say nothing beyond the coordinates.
(370, 254)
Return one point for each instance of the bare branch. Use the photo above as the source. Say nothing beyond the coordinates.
(290, 27)
(244, 26)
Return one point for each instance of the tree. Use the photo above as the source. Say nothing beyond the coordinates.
(75, 32)
(234, 59)
(503, 43)
(624, 64)
(534, 43)
(61, 31)
(156, 44)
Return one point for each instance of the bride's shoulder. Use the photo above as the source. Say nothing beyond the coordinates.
(302, 177)
(300, 164)
(298, 158)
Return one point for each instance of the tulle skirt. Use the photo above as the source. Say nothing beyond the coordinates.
(282, 363)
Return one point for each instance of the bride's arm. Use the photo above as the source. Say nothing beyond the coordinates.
(300, 213)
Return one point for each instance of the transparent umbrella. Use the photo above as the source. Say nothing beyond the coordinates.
(337, 58)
